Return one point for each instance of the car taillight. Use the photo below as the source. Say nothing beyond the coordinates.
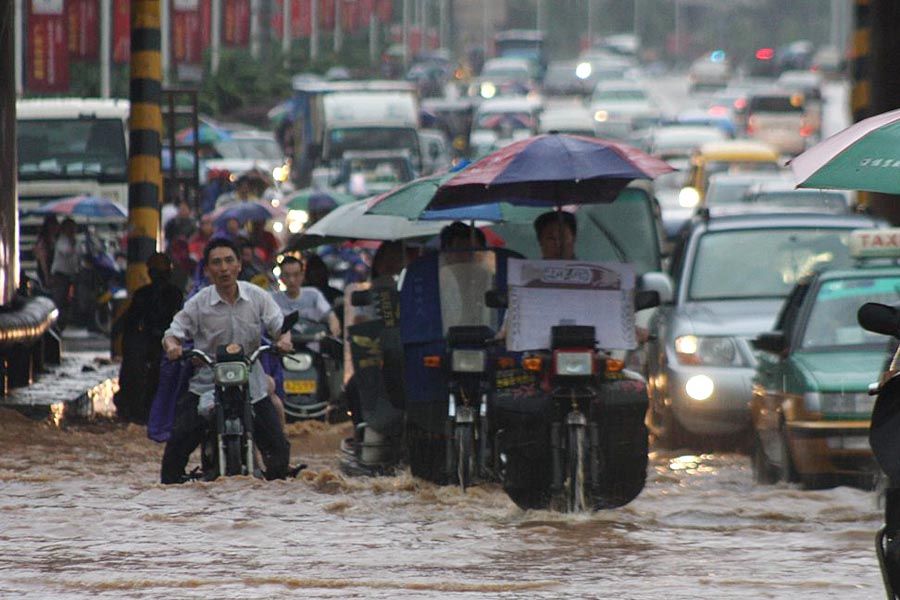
(569, 363)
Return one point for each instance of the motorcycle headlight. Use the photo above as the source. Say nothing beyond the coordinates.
(573, 364)
(231, 373)
(707, 351)
(468, 361)
(297, 362)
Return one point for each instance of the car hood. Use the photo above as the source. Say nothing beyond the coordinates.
(850, 371)
(742, 318)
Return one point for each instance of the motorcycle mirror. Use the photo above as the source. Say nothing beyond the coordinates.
(496, 299)
(289, 321)
(879, 318)
(646, 299)
(361, 298)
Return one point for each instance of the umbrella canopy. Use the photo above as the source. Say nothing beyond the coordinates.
(246, 211)
(351, 222)
(311, 199)
(85, 206)
(865, 156)
(207, 133)
(550, 170)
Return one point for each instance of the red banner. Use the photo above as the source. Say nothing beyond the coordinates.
(384, 10)
(237, 23)
(47, 57)
(187, 43)
(205, 23)
(121, 50)
(84, 28)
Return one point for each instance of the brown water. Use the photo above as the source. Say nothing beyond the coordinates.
(81, 515)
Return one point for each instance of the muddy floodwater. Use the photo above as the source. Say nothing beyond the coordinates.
(81, 516)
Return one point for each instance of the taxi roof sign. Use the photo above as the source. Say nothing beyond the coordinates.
(875, 243)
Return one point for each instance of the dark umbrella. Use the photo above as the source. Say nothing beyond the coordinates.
(246, 211)
(550, 170)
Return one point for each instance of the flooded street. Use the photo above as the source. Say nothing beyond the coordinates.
(81, 515)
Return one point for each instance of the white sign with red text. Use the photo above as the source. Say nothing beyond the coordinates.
(875, 243)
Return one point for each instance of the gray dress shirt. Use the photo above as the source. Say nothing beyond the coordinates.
(211, 322)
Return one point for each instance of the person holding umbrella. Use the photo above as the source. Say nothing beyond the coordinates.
(64, 269)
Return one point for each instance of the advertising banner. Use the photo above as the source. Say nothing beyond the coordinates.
(47, 56)
(187, 42)
(236, 26)
(84, 28)
(543, 293)
(121, 51)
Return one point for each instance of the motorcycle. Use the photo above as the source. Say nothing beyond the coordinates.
(570, 432)
(312, 375)
(885, 441)
(229, 449)
(469, 377)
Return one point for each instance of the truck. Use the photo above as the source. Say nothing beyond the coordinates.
(69, 147)
(330, 118)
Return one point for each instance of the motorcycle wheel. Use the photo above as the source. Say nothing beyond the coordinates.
(465, 444)
(233, 463)
(575, 469)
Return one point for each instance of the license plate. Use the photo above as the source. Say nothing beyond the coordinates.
(300, 386)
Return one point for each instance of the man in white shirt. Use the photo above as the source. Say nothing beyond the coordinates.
(308, 301)
(229, 311)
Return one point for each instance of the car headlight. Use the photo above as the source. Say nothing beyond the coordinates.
(468, 361)
(297, 362)
(852, 404)
(707, 351)
(231, 373)
(699, 387)
(573, 364)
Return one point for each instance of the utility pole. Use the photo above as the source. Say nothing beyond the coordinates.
(338, 29)
(9, 204)
(254, 29)
(373, 39)
(286, 33)
(406, 16)
(105, 47)
(145, 132)
(314, 30)
(165, 40)
(443, 21)
(18, 20)
(215, 43)
(590, 23)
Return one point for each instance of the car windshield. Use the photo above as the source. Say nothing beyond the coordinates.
(372, 138)
(619, 95)
(71, 148)
(819, 200)
(252, 148)
(832, 322)
(738, 166)
(763, 263)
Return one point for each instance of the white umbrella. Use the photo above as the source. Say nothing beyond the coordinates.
(350, 221)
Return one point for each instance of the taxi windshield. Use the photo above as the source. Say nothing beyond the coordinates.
(763, 263)
(832, 322)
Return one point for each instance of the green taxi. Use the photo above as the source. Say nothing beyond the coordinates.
(810, 404)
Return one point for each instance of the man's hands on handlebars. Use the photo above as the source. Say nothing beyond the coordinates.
(172, 346)
(284, 343)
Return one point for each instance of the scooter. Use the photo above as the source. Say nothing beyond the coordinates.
(312, 376)
(228, 449)
(884, 437)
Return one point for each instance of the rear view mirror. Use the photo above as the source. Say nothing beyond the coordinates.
(879, 318)
(289, 321)
(496, 299)
(361, 298)
(655, 281)
(771, 341)
(646, 299)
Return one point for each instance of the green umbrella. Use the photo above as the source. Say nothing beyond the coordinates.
(865, 156)
(410, 201)
(300, 199)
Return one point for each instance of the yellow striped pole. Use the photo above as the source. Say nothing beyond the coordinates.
(145, 134)
(861, 62)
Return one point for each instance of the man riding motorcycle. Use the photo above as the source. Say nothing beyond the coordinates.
(227, 312)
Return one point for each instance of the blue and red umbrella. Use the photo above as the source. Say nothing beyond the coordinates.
(549, 170)
(85, 206)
